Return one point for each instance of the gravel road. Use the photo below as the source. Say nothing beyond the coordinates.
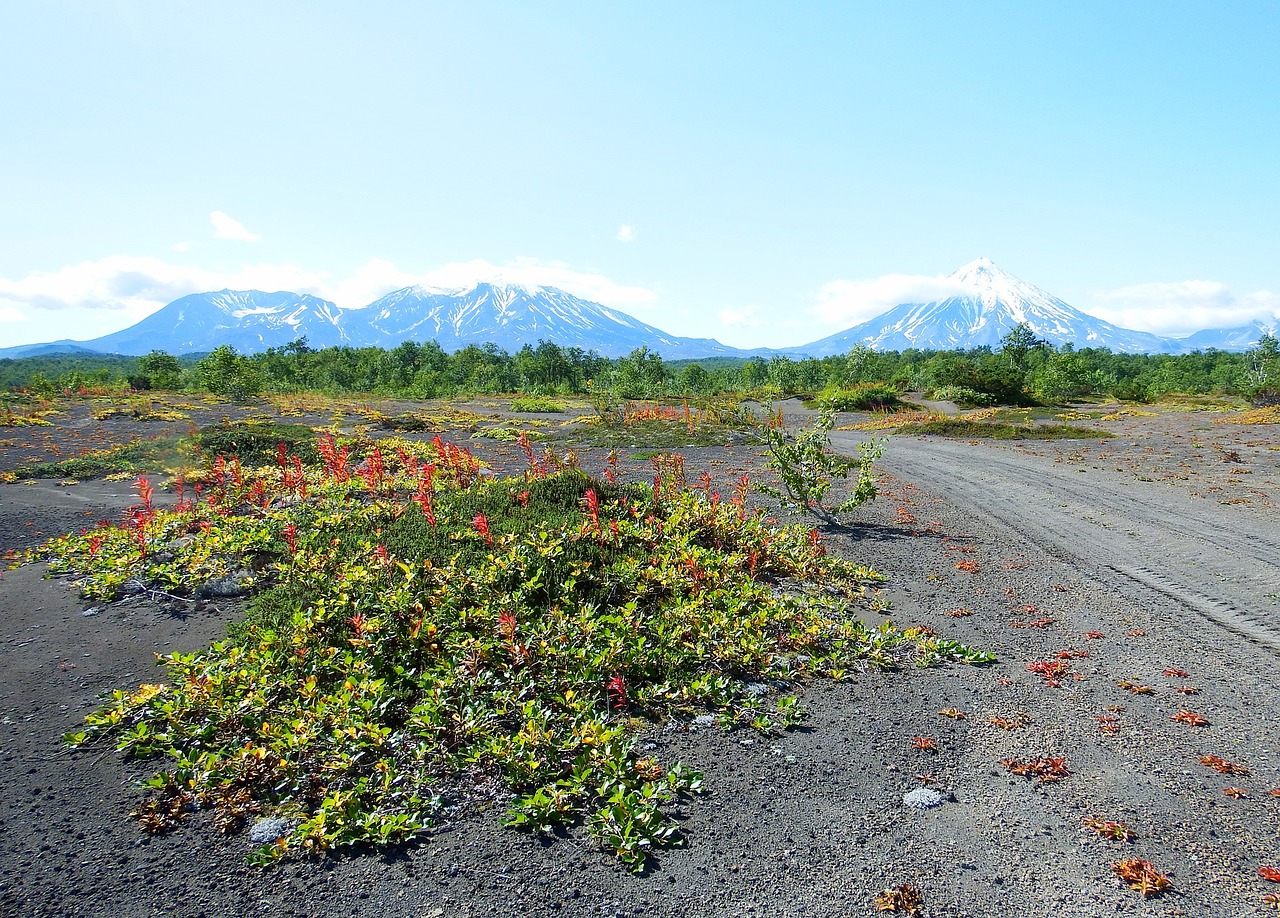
(1218, 561)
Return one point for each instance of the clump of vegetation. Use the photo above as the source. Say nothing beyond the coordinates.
(660, 425)
(37, 416)
(892, 420)
(1268, 415)
(904, 899)
(860, 397)
(536, 404)
(428, 634)
(1265, 397)
(807, 468)
(127, 458)
(256, 442)
(963, 396)
(1141, 876)
(986, 430)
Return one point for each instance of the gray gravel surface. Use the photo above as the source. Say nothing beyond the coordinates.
(806, 823)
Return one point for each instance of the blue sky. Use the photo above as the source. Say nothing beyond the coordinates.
(757, 173)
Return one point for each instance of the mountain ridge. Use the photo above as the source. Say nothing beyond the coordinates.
(988, 302)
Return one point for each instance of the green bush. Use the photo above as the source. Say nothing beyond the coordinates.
(861, 397)
(963, 396)
(536, 404)
(1265, 396)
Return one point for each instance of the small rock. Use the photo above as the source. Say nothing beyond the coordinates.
(226, 587)
(268, 829)
(94, 611)
(922, 798)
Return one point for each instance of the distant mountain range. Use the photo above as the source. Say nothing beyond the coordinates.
(513, 316)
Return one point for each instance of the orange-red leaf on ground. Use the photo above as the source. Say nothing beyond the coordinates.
(1142, 876)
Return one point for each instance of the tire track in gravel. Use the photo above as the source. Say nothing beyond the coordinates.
(1207, 557)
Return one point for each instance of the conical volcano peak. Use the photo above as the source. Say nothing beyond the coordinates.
(979, 271)
(993, 286)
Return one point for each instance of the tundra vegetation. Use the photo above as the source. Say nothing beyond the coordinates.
(423, 635)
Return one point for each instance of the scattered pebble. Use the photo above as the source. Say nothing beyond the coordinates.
(922, 798)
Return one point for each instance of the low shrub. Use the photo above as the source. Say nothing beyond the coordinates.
(861, 397)
(1264, 397)
(256, 442)
(963, 396)
(535, 404)
(427, 633)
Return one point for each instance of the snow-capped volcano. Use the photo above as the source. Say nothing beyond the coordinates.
(509, 316)
(248, 320)
(512, 316)
(988, 303)
(985, 303)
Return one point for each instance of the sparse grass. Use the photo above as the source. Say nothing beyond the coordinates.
(660, 426)
(436, 420)
(894, 419)
(1269, 415)
(1182, 402)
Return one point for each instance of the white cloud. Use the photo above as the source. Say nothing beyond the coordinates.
(626, 233)
(181, 247)
(225, 227)
(1183, 307)
(846, 303)
(97, 297)
(745, 317)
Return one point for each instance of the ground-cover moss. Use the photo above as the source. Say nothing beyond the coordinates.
(423, 634)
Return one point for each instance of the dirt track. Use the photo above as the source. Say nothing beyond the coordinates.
(1217, 560)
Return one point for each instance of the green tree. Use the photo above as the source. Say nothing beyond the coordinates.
(226, 372)
(160, 369)
(641, 374)
(1017, 345)
(1264, 361)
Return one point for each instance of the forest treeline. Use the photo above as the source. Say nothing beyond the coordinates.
(1023, 370)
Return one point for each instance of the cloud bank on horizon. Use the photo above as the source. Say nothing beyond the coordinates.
(111, 293)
